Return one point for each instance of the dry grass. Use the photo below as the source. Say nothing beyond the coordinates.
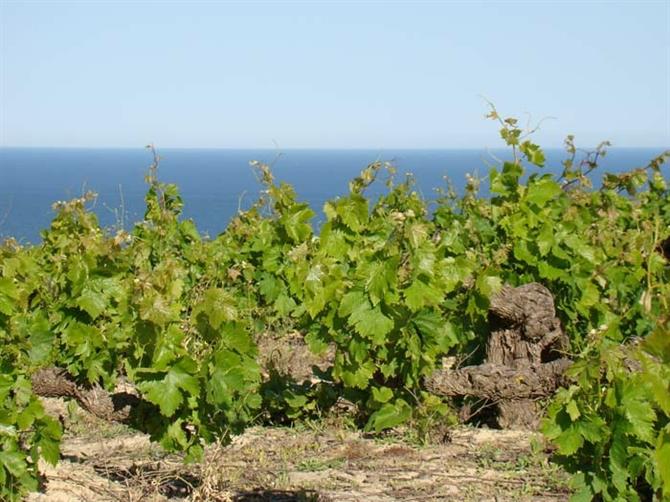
(326, 463)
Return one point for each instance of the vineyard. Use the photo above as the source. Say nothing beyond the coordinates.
(410, 303)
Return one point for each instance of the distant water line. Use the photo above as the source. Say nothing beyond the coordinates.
(216, 183)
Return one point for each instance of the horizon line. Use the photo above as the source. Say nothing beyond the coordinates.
(279, 150)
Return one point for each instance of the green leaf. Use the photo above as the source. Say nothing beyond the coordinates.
(284, 305)
(488, 285)
(14, 462)
(175, 432)
(218, 305)
(590, 295)
(226, 379)
(522, 253)
(545, 240)
(389, 415)
(618, 460)
(382, 394)
(29, 414)
(92, 302)
(295, 400)
(168, 348)
(580, 247)
(353, 211)
(9, 294)
(357, 377)
(167, 393)
(296, 224)
(457, 271)
(314, 278)
(381, 278)
(420, 294)
(316, 342)
(49, 440)
(82, 337)
(231, 374)
(549, 272)
(542, 191)
(41, 339)
(417, 233)
(533, 153)
(166, 396)
(333, 242)
(569, 441)
(583, 492)
(594, 429)
(372, 324)
(660, 386)
(435, 330)
(662, 459)
(352, 301)
(194, 453)
(573, 410)
(236, 337)
(189, 230)
(639, 411)
(270, 287)
(157, 308)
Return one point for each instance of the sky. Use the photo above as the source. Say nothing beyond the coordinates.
(341, 74)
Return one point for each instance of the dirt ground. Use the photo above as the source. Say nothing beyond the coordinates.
(320, 462)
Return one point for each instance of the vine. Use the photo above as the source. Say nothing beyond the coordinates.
(389, 286)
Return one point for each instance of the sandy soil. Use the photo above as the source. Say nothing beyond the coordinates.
(319, 463)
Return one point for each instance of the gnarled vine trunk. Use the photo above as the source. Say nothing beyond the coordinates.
(523, 358)
(116, 407)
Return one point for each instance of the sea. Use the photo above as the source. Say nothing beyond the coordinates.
(217, 183)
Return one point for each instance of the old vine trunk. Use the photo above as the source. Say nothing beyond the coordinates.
(117, 407)
(523, 358)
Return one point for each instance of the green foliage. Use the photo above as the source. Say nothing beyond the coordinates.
(598, 252)
(134, 305)
(374, 288)
(26, 432)
(389, 285)
(611, 425)
(595, 250)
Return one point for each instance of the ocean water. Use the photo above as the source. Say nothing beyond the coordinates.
(215, 184)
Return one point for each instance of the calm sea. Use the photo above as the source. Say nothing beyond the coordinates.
(216, 183)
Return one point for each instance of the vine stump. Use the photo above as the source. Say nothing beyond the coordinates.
(523, 358)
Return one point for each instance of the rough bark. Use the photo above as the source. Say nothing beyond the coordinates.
(495, 382)
(116, 407)
(523, 358)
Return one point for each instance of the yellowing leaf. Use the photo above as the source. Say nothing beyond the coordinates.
(572, 410)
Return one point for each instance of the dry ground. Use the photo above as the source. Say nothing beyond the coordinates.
(323, 462)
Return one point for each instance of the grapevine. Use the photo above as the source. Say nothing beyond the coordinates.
(392, 285)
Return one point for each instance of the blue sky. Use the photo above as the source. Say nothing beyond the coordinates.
(331, 75)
